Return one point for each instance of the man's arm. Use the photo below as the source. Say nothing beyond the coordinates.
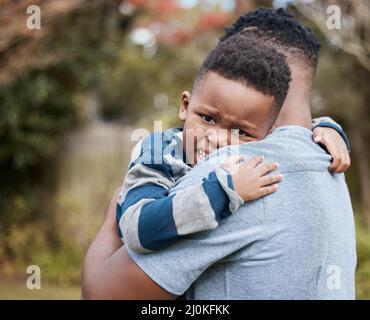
(110, 273)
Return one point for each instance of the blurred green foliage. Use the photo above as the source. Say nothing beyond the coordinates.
(36, 112)
(363, 264)
(32, 120)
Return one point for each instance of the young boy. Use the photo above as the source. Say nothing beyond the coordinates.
(240, 84)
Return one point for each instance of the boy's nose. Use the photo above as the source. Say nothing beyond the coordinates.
(217, 138)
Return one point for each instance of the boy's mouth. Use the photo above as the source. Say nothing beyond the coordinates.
(202, 153)
(201, 150)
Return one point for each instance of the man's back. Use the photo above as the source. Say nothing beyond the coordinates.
(302, 242)
(298, 243)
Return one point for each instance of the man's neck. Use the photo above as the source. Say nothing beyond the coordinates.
(296, 109)
(295, 114)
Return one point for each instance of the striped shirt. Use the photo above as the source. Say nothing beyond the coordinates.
(149, 218)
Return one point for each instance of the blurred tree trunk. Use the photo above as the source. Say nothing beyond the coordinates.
(360, 149)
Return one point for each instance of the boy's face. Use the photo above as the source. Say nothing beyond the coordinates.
(222, 112)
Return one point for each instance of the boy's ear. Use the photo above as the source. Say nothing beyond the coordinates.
(185, 100)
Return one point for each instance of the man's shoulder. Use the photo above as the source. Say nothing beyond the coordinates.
(291, 146)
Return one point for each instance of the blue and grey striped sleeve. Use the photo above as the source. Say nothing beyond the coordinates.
(328, 122)
(153, 220)
(150, 219)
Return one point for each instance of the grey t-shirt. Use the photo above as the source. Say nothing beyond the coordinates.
(297, 243)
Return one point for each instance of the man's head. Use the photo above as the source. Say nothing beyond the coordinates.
(236, 96)
(280, 30)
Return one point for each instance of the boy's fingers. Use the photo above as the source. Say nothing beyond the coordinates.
(317, 136)
(270, 179)
(265, 168)
(232, 160)
(335, 166)
(267, 190)
(236, 158)
(254, 161)
(336, 160)
(342, 164)
(348, 162)
(336, 148)
(344, 161)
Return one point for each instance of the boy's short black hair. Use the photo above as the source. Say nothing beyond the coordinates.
(252, 64)
(281, 30)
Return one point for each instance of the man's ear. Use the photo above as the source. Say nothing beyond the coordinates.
(185, 100)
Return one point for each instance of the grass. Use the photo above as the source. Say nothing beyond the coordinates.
(17, 290)
(363, 264)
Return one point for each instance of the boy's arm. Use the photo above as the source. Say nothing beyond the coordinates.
(149, 219)
(331, 135)
(152, 219)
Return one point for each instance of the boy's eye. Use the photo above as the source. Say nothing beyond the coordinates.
(240, 132)
(208, 119)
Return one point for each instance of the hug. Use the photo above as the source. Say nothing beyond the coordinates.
(248, 199)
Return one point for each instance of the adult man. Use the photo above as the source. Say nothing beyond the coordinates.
(296, 243)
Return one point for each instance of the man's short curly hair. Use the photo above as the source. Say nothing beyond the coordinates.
(279, 29)
(252, 64)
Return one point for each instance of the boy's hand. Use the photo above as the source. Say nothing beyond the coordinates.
(335, 145)
(250, 179)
